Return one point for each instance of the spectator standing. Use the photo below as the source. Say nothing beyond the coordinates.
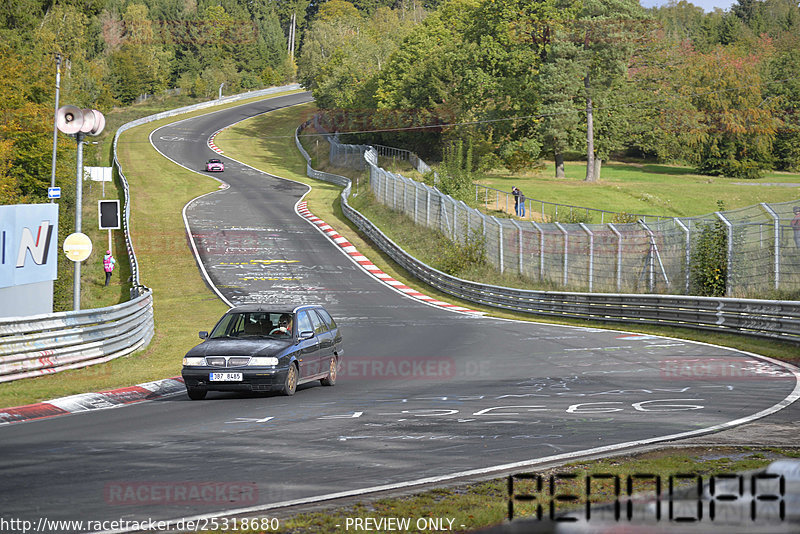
(796, 226)
(108, 265)
(515, 192)
(521, 204)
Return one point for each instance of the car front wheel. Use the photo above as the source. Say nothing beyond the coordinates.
(290, 383)
(331, 378)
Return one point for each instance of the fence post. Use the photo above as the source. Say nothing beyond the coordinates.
(541, 248)
(653, 255)
(519, 244)
(566, 247)
(688, 250)
(405, 192)
(416, 203)
(729, 269)
(446, 219)
(455, 221)
(591, 254)
(500, 242)
(394, 191)
(619, 256)
(776, 222)
(467, 210)
(428, 207)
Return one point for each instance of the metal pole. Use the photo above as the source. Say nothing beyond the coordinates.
(566, 248)
(416, 204)
(688, 250)
(619, 255)
(519, 244)
(220, 89)
(541, 249)
(776, 221)
(500, 242)
(729, 268)
(55, 125)
(591, 253)
(76, 283)
(428, 208)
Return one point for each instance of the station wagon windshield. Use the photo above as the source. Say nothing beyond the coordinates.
(276, 325)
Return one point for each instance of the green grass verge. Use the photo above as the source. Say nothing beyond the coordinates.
(183, 304)
(669, 190)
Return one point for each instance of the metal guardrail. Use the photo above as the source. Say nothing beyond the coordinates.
(44, 344)
(753, 317)
(48, 343)
(135, 290)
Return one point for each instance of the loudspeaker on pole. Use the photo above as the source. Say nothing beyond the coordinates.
(88, 121)
(69, 119)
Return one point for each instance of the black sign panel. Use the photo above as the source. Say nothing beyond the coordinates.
(109, 214)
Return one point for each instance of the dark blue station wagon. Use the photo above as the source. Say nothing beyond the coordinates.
(256, 347)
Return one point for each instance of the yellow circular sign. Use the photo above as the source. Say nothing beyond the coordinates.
(77, 246)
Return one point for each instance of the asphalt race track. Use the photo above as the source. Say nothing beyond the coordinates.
(423, 392)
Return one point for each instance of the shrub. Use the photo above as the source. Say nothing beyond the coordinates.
(624, 218)
(458, 257)
(709, 262)
(573, 216)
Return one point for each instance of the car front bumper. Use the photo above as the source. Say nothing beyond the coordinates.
(253, 379)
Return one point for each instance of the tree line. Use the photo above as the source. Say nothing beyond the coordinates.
(523, 80)
(517, 81)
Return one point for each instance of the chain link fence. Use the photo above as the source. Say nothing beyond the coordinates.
(759, 252)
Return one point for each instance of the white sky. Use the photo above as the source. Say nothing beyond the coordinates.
(707, 5)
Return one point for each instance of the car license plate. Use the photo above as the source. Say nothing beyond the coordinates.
(225, 377)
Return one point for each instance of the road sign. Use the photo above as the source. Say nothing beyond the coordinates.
(109, 214)
(53, 192)
(77, 247)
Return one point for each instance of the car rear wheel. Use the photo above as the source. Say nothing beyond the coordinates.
(331, 378)
(196, 394)
(290, 383)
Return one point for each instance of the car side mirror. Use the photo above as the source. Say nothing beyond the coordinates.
(203, 334)
(306, 334)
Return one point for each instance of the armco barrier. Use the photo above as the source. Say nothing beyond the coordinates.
(44, 344)
(761, 318)
(48, 343)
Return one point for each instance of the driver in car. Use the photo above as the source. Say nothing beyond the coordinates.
(284, 326)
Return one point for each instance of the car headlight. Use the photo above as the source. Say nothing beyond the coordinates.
(192, 362)
(263, 361)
